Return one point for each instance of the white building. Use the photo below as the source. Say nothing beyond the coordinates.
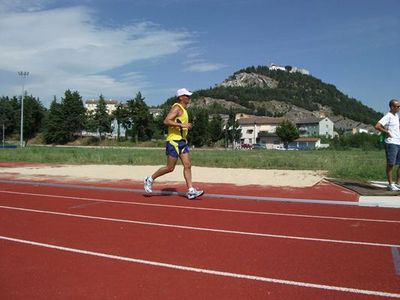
(260, 130)
(305, 143)
(111, 105)
(155, 112)
(315, 127)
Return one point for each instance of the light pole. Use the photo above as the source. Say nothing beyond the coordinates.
(23, 74)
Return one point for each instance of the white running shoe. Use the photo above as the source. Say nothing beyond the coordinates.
(193, 193)
(393, 188)
(148, 184)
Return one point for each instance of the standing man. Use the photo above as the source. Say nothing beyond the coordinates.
(389, 125)
(178, 124)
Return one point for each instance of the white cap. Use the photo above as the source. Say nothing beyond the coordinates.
(182, 92)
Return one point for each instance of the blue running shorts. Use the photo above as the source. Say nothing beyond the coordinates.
(392, 154)
(176, 148)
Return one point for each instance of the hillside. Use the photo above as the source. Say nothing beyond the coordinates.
(262, 91)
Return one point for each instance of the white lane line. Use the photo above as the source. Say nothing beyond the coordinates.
(246, 233)
(206, 271)
(206, 208)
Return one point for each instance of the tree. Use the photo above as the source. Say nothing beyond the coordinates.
(8, 115)
(261, 110)
(65, 120)
(142, 120)
(74, 117)
(287, 132)
(53, 133)
(232, 131)
(199, 134)
(215, 131)
(121, 115)
(90, 122)
(359, 140)
(160, 128)
(102, 118)
(34, 113)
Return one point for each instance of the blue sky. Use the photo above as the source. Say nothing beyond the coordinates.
(120, 47)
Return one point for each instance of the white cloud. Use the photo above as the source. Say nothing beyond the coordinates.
(195, 63)
(204, 67)
(91, 86)
(67, 48)
(23, 5)
(68, 40)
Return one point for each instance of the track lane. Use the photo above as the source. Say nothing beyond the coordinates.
(66, 275)
(302, 261)
(280, 207)
(363, 230)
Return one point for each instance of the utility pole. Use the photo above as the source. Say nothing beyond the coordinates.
(23, 75)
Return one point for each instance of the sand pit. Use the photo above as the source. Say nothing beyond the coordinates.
(293, 178)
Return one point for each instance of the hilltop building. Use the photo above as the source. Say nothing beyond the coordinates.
(289, 69)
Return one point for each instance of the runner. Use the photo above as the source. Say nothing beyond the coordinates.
(178, 124)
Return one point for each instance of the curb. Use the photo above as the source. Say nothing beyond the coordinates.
(380, 201)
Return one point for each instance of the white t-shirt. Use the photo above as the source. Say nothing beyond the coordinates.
(391, 123)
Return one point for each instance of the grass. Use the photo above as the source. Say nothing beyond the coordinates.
(348, 164)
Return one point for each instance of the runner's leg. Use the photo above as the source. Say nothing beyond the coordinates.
(171, 163)
(187, 169)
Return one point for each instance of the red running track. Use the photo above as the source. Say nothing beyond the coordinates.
(63, 242)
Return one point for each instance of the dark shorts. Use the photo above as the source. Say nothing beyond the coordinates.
(392, 154)
(176, 148)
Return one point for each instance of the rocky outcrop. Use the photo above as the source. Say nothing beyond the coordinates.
(290, 111)
(207, 102)
(347, 124)
(250, 80)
